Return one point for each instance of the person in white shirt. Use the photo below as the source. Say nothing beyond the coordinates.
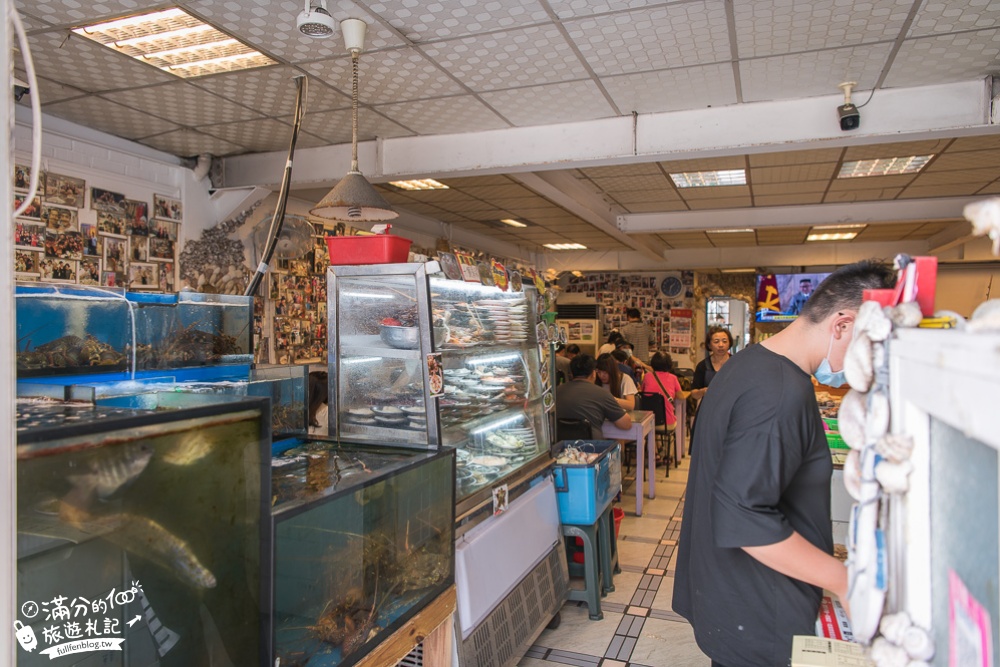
(621, 386)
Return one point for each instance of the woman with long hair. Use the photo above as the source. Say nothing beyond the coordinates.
(622, 387)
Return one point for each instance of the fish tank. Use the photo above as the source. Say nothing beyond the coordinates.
(140, 539)
(363, 540)
(71, 330)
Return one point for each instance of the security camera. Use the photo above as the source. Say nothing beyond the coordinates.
(850, 117)
(315, 21)
(20, 89)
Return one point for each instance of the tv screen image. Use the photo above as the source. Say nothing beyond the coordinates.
(780, 297)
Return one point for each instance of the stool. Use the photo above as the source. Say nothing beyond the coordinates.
(608, 548)
(593, 576)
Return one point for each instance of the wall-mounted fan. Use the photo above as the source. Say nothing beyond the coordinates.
(294, 240)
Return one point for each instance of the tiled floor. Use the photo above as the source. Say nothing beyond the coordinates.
(639, 629)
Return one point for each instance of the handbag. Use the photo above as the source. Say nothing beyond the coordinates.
(659, 382)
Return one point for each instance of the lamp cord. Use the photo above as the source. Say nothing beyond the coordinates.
(355, 55)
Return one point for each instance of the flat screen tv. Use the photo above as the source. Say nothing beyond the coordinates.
(780, 297)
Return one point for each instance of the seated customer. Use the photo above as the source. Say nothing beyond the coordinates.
(622, 358)
(621, 386)
(663, 381)
(580, 398)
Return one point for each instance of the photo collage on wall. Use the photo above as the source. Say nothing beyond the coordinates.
(653, 294)
(113, 243)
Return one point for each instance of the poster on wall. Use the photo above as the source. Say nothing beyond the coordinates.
(680, 329)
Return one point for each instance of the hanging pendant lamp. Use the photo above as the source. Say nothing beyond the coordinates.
(354, 199)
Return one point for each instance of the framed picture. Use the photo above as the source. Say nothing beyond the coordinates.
(93, 243)
(64, 190)
(136, 217)
(105, 200)
(160, 250)
(167, 278)
(167, 208)
(90, 271)
(115, 254)
(26, 262)
(112, 279)
(63, 245)
(163, 229)
(29, 235)
(34, 209)
(111, 223)
(58, 270)
(60, 219)
(22, 177)
(143, 276)
(139, 249)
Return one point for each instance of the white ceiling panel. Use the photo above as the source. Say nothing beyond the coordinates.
(444, 19)
(844, 196)
(792, 173)
(183, 104)
(788, 199)
(509, 59)
(32, 23)
(732, 202)
(107, 116)
(704, 164)
(645, 182)
(271, 91)
(799, 187)
(812, 74)
(645, 196)
(441, 115)
(71, 12)
(335, 126)
(191, 142)
(939, 17)
(770, 27)
(551, 103)
(964, 176)
(567, 9)
(48, 91)
(943, 58)
(795, 157)
(260, 135)
(673, 35)
(966, 160)
(673, 89)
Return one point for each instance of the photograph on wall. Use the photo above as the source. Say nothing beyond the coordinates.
(115, 254)
(111, 223)
(90, 271)
(60, 219)
(64, 190)
(163, 229)
(22, 177)
(167, 208)
(63, 245)
(26, 262)
(143, 276)
(29, 235)
(138, 249)
(160, 250)
(136, 217)
(167, 278)
(34, 209)
(58, 270)
(93, 243)
(112, 279)
(105, 200)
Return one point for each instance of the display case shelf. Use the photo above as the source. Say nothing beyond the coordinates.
(372, 345)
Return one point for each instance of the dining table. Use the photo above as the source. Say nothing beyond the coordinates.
(642, 430)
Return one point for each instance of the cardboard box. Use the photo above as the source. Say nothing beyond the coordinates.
(832, 621)
(823, 652)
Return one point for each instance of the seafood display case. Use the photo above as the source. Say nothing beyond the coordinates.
(364, 539)
(141, 530)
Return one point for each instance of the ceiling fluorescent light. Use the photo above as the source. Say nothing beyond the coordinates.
(702, 179)
(422, 184)
(834, 236)
(176, 42)
(565, 246)
(738, 270)
(888, 166)
(746, 230)
(513, 223)
(859, 225)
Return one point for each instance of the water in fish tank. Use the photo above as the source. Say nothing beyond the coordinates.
(363, 540)
(140, 535)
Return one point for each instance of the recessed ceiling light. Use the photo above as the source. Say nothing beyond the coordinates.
(422, 184)
(746, 230)
(738, 270)
(886, 166)
(565, 246)
(832, 236)
(175, 42)
(859, 225)
(702, 179)
(513, 223)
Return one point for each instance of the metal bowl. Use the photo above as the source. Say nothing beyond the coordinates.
(403, 338)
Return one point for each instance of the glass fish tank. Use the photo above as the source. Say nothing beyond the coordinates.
(71, 330)
(140, 539)
(190, 329)
(363, 540)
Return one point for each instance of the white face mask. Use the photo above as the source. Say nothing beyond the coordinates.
(825, 373)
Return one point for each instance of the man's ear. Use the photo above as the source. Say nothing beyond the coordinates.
(841, 322)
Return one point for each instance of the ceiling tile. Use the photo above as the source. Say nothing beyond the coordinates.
(944, 58)
(552, 103)
(793, 173)
(69, 12)
(704, 164)
(190, 142)
(686, 241)
(990, 142)
(938, 17)
(495, 193)
(494, 179)
(929, 229)
(270, 25)
(444, 115)
(982, 176)
(423, 209)
(895, 149)
(335, 126)
(271, 91)
(438, 197)
(871, 182)
(640, 197)
(788, 199)
(967, 160)
(387, 77)
(620, 170)
(732, 202)
(48, 91)
(567, 9)
(776, 27)
(733, 240)
(258, 136)
(801, 187)
(656, 207)
(956, 190)
(861, 195)
(513, 58)
(782, 232)
(444, 19)
(183, 104)
(673, 89)
(106, 116)
(991, 189)
(795, 157)
(30, 22)
(674, 35)
(719, 192)
(643, 182)
(811, 74)
(79, 62)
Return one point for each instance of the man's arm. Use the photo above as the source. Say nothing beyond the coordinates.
(625, 422)
(798, 558)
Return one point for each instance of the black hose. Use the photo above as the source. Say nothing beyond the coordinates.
(286, 181)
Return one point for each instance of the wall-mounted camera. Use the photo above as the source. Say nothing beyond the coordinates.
(20, 89)
(850, 117)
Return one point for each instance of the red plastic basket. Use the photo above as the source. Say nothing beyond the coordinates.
(377, 249)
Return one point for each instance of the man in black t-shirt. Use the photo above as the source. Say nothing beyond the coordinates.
(580, 398)
(756, 540)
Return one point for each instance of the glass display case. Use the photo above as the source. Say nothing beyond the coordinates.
(140, 540)
(363, 541)
(422, 360)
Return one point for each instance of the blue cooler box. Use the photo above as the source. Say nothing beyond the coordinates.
(583, 492)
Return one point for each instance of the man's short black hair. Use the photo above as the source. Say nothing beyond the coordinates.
(633, 314)
(844, 288)
(805, 280)
(573, 348)
(560, 347)
(582, 365)
(620, 355)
